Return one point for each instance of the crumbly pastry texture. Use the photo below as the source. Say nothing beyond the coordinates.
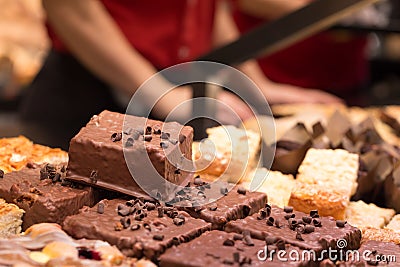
(361, 214)
(10, 219)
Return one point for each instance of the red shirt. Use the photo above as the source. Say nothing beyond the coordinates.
(332, 61)
(166, 32)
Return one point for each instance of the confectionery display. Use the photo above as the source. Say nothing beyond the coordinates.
(333, 186)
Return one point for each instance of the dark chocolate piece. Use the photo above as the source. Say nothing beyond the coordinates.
(115, 137)
(135, 241)
(1, 173)
(92, 149)
(42, 199)
(315, 238)
(218, 248)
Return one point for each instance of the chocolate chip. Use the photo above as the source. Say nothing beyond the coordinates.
(299, 237)
(314, 214)
(278, 223)
(157, 130)
(317, 222)
(124, 211)
(213, 207)
(100, 208)
(179, 221)
(115, 137)
(280, 244)
(175, 241)
(340, 223)
(248, 241)
(300, 229)
(223, 190)
(182, 138)
(147, 138)
(148, 130)
(128, 131)
(147, 226)
(150, 206)
(270, 221)
(292, 221)
(135, 227)
(158, 237)
(177, 171)
(262, 215)
(288, 209)
(173, 141)
(289, 216)
(160, 211)
(93, 176)
(43, 174)
(163, 145)
(307, 219)
(63, 169)
(237, 237)
(29, 165)
(229, 243)
(309, 229)
(118, 226)
(246, 261)
(241, 190)
(126, 222)
(129, 142)
(270, 240)
(165, 135)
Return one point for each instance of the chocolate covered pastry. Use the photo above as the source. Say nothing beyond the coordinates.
(219, 202)
(218, 248)
(137, 229)
(100, 151)
(306, 231)
(44, 194)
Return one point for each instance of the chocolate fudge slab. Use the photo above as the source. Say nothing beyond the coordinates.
(44, 200)
(316, 234)
(96, 153)
(141, 232)
(237, 203)
(217, 248)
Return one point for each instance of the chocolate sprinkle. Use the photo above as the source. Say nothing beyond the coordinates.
(317, 222)
(270, 221)
(147, 138)
(213, 207)
(290, 216)
(229, 243)
(160, 212)
(115, 137)
(148, 130)
(179, 221)
(307, 219)
(314, 213)
(129, 142)
(165, 135)
(150, 206)
(197, 181)
(126, 222)
(157, 131)
(248, 241)
(228, 262)
(100, 208)
(288, 209)
(241, 190)
(93, 176)
(158, 237)
(236, 256)
(147, 227)
(237, 237)
(270, 240)
(340, 223)
(182, 138)
(223, 190)
(299, 237)
(309, 229)
(163, 145)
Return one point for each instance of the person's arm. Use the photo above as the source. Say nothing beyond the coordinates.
(225, 31)
(93, 37)
(270, 9)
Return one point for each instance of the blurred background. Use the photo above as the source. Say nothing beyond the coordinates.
(24, 45)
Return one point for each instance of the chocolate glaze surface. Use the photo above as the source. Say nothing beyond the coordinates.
(95, 149)
(321, 238)
(153, 236)
(220, 209)
(209, 250)
(43, 200)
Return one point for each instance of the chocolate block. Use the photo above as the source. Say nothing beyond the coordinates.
(42, 197)
(316, 233)
(215, 204)
(218, 248)
(99, 152)
(137, 229)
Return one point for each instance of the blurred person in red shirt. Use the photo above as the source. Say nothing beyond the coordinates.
(106, 45)
(333, 60)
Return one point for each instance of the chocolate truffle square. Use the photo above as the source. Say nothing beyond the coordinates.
(306, 231)
(223, 203)
(99, 153)
(44, 195)
(137, 229)
(217, 248)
